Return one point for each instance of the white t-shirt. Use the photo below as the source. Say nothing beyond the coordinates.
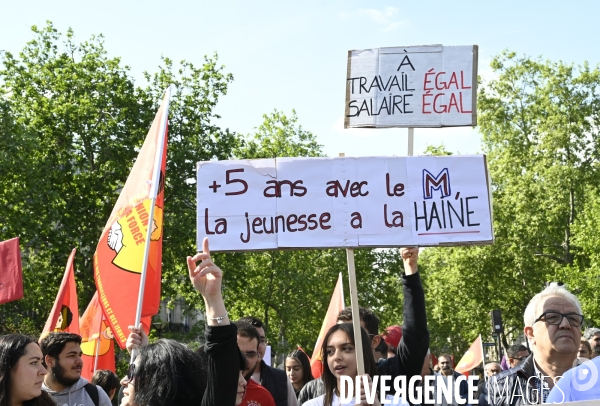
(336, 401)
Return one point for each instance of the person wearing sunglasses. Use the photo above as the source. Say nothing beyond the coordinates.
(248, 339)
(553, 320)
(516, 353)
(167, 372)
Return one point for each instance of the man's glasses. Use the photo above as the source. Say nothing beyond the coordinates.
(131, 373)
(251, 354)
(555, 318)
(523, 357)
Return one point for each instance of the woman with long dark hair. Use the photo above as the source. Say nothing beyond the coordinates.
(340, 360)
(297, 368)
(168, 373)
(22, 372)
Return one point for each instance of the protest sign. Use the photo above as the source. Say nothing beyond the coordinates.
(343, 202)
(416, 86)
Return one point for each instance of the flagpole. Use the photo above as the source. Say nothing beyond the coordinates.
(96, 354)
(153, 194)
(482, 357)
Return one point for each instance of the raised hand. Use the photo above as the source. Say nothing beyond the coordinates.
(205, 276)
(137, 337)
(410, 256)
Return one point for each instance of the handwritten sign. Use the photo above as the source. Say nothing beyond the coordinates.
(417, 86)
(343, 202)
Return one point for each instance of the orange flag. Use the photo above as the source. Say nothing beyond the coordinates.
(11, 273)
(96, 339)
(472, 358)
(119, 256)
(336, 305)
(65, 312)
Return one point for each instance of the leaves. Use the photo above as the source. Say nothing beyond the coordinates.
(539, 122)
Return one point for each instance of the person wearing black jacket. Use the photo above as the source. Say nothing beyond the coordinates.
(216, 379)
(553, 320)
(273, 379)
(414, 344)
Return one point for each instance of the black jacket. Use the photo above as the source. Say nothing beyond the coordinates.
(414, 343)
(275, 381)
(512, 387)
(223, 359)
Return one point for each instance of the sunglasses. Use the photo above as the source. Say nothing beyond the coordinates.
(131, 373)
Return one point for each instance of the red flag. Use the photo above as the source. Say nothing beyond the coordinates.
(119, 257)
(11, 273)
(336, 305)
(96, 338)
(64, 315)
(472, 358)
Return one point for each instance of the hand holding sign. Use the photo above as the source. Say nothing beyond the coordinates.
(410, 256)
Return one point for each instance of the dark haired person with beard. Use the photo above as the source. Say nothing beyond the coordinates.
(62, 357)
(248, 340)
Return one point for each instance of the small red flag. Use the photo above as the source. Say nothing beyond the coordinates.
(336, 305)
(119, 256)
(472, 358)
(11, 272)
(65, 312)
(97, 342)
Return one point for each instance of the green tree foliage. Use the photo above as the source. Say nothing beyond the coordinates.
(72, 121)
(279, 136)
(539, 122)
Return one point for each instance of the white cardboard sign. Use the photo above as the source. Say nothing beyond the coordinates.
(416, 86)
(343, 202)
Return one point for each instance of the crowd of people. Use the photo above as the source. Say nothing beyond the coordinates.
(229, 368)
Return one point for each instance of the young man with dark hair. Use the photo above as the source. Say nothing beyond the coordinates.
(107, 380)
(248, 341)
(62, 358)
(275, 380)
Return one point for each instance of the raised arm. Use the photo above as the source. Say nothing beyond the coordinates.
(414, 343)
(206, 278)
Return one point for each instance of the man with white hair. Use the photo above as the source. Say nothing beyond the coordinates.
(553, 320)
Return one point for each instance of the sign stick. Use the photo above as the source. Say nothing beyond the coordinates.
(411, 140)
(358, 345)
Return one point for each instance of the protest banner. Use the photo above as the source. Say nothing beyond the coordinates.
(344, 202)
(128, 258)
(336, 305)
(64, 316)
(414, 86)
(11, 271)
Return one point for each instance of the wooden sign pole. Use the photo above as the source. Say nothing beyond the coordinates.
(358, 344)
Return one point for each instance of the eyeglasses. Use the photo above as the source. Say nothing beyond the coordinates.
(523, 357)
(555, 318)
(251, 354)
(131, 373)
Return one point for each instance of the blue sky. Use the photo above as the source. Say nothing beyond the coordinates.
(287, 55)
